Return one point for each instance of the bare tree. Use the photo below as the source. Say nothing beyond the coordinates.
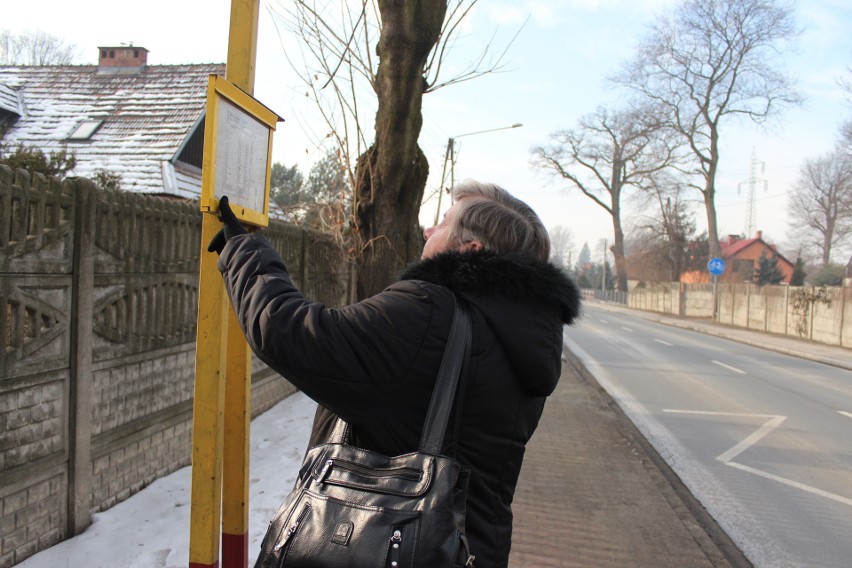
(846, 135)
(846, 127)
(820, 205)
(561, 246)
(668, 238)
(710, 61)
(606, 153)
(35, 48)
(395, 50)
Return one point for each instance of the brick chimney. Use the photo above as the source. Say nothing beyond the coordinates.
(759, 235)
(124, 56)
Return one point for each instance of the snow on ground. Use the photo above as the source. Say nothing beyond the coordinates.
(151, 529)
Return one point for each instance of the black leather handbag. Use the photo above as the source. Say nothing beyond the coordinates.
(354, 508)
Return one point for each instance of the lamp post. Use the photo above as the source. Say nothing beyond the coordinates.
(450, 157)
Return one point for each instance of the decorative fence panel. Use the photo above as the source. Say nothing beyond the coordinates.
(99, 293)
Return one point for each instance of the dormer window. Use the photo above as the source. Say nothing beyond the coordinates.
(85, 130)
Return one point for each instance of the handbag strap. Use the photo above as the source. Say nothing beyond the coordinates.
(443, 395)
(456, 354)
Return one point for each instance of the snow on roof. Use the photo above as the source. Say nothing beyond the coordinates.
(147, 115)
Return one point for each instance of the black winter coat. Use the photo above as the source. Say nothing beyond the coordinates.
(374, 363)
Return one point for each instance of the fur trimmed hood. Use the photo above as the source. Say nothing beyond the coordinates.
(524, 301)
(516, 277)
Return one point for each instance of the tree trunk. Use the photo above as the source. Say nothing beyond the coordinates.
(618, 253)
(712, 233)
(391, 175)
(710, 194)
(827, 237)
(618, 232)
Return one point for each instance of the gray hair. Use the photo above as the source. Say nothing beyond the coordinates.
(501, 222)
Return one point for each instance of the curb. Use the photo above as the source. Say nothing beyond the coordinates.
(726, 554)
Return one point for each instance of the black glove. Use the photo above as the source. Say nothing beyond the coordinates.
(231, 229)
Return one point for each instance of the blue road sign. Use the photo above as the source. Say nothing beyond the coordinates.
(716, 266)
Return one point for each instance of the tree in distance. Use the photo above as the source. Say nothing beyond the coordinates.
(707, 63)
(35, 48)
(820, 205)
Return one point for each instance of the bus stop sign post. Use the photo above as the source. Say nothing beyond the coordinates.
(237, 127)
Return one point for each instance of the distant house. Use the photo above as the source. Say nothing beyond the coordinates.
(741, 258)
(142, 122)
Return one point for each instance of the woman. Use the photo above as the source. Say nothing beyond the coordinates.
(374, 363)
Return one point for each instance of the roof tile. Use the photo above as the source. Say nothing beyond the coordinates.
(147, 115)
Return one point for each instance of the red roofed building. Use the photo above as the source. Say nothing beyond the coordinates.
(742, 258)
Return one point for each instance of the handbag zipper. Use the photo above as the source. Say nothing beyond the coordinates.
(293, 528)
(400, 472)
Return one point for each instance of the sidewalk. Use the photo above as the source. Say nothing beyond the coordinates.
(592, 492)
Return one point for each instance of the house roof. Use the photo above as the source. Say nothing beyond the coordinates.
(732, 248)
(146, 115)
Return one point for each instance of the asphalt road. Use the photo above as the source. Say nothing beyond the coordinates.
(763, 440)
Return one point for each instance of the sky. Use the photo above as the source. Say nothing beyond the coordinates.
(151, 528)
(554, 73)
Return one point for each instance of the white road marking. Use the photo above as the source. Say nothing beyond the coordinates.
(604, 321)
(791, 483)
(768, 426)
(847, 414)
(626, 328)
(663, 342)
(728, 367)
(754, 438)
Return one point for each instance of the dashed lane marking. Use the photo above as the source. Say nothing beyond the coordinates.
(663, 342)
(626, 328)
(728, 367)
(847, 414)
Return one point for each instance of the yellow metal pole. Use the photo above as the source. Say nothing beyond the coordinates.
(242, 43)
(242, 54)
(235, 498)
(222, 387)
(208, 406)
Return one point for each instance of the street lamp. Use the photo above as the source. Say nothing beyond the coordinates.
(450, 157)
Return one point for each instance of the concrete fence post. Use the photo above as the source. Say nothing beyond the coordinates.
(811, 315)
(765, 307)
(748, 306)
(786, 310)
(81, 380)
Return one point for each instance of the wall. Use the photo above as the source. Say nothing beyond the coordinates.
(98, 298)
(823, 314)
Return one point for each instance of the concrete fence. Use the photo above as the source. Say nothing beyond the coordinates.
(821, 314)
(98, 302)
